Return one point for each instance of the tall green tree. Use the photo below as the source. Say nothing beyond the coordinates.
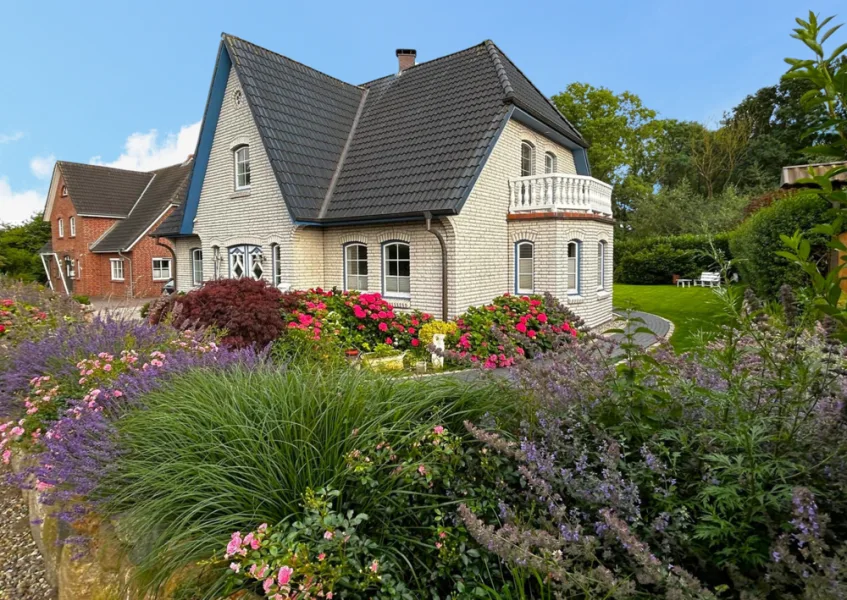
(622, 134)
(19, 245)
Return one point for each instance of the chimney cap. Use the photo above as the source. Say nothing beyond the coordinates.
(406, 52)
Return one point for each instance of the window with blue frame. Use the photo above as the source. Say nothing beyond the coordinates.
(574, 266)
(524, 268)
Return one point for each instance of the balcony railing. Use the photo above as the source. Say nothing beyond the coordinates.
(560, 192)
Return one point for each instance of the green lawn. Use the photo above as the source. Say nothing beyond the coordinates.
(690, 309)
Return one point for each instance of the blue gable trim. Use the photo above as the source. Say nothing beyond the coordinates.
(207, 136)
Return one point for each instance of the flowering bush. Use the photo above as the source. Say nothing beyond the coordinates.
(321, 555)
(29, 311)
(511, 328)
(246, 310)
(357, 321)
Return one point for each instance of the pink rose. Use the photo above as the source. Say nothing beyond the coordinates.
(284, 575)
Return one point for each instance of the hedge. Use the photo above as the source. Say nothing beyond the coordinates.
(756, 241)
(656, 260)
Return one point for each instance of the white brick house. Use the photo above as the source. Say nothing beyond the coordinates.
(441, 187)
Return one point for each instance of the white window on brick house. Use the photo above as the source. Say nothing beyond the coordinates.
(61, 228)
(242, 168)
(72, 225)
(161, 269)
(64, 191)
(574, 266)
(70, 271)
(276, 267)
(550, 162)
(396, 270)
(246, 261)
(196, 266)
(524, 268)
(356, 267)
(527, 159)
(117, 265)
(601, 265)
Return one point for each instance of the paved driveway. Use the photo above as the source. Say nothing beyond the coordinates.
(122, 308)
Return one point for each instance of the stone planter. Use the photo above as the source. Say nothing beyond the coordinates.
(383, 363)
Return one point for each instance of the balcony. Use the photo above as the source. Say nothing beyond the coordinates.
(560, 192)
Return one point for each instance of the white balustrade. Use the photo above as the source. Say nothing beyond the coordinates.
(556, 192)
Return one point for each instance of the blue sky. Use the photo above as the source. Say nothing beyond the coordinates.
(125, 83)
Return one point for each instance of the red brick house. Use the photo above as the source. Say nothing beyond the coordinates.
(101, 219)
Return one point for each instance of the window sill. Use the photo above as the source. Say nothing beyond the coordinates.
(165, 279)
(117, 280)
(603, 294)
(399, 302)
(245, 193)
(575, 299)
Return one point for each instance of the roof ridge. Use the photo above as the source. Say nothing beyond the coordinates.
(228, 36)
(550, 102)
(493, 51)
(426, 62)
(80, 164)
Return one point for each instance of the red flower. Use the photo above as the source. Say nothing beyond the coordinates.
(389, 341)
(416, 342)
(383, 326)
(542, 317)
(521, 326)
(531, 333)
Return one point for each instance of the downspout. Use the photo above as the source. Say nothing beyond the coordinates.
(445, 310)
(131, 286)
(173, 254)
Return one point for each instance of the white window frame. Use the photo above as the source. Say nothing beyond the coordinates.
(551, 163)
(64, 191)
(196, 255)
(386, 277)
(358, 261)
(252, 256)
(519, 272)
(161, 268)
(61, 227)
(117, 269)
(601, 265)
(574, 290)
(72, 225)
(276, 264)
(237, 154)
(70, 269)
(526, 144)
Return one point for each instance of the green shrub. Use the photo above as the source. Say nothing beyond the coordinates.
(433, 327)
(755, 242)
(655, 260)
(220, 452)
(82, 299)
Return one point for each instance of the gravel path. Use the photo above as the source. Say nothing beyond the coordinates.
(21, 566)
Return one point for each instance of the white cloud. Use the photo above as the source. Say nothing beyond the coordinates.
(42, 166)
(8, 138)
(144, 151)
(17, 207)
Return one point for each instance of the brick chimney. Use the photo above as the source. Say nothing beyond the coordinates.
(406, 58)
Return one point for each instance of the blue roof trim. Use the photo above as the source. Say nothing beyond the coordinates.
(207, 136)
(579, 154)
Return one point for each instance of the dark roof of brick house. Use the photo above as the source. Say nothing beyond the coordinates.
(167, 188)
(407, 143)
(102, 191)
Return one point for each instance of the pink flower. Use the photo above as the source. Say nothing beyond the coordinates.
(422, 470)
(531, 333)
(438, 429)
(107, 368)
(521, 327)
(438, 545)
(542, 318)
(328, 535)
(235, 566)
(267, 584)
(284, 575)
(305, 320)
(359, 312)
(234, 546)
(389, 341)
(7, 455)
(374, 566)
(416, 342)
(321, 556)
(383, 326)
(251, 541)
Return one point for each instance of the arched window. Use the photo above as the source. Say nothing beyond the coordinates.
(396, 270)
(527, 159)
(601, 265)
(356, 267)
(196, 266)
(276, 264)
(61, 228)
(217, 262)
(242, 167)
(574, 266)
(246, 261)
(64, 191)
(551, 163)
(72, 225)
(524, 268)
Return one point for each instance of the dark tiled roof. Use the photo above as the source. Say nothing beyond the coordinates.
(303, 116)
(171, 225)
(421, 138)
(167, 188)
(103, 191)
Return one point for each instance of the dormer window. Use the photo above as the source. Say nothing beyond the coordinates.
(242, 168)
(550, 162)
(527, 159)
(64, 191)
